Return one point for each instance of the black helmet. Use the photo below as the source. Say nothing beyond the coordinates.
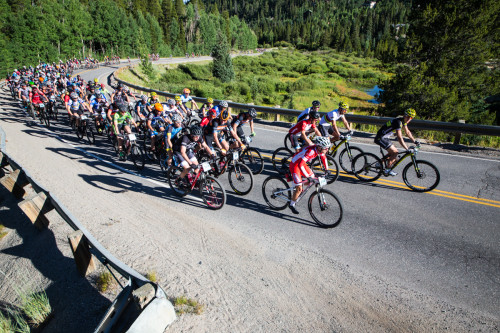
(120, 85)
(122, 107)
(196, 130)
(316, 103)
(314, 115)
(252, 113)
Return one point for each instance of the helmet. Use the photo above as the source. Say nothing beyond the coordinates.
(316, 103)
(314, 115)
(343, 105)
(176, 118)
(177, 98)
(96, 80)
(252, 113)
(31, 83)
(122, 107)
(186, 91)
(73, 95)
(212, 112)
(224, 115)
(223, 104)
(170, 102)
(40, 79)
(322, 142)
(210, 100)
(410, 112)
(158, 107)
(144, 97)
(153, 94)
(120, 86)
(196, 130)
(102, 85)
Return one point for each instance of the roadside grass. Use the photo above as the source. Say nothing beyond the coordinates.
(152, 276)
(105, 281)
(3, 233)
(184, 305)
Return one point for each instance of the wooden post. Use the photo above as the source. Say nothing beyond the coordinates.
(458, 135)
(277, 115)
(15, 182)
(83, 258)
(35, 208)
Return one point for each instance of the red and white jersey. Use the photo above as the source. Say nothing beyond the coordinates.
(304, 125)
(308, 154)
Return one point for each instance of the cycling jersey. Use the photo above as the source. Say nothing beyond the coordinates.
(242, 119)
(188, 142)
(299, 167)
(119, 97)
(330, 117)
(390, 127)
(122, 118)
(174, 134)
(185, 99)
(25, 92)
(304, 114)
(304, 125)
(143, 110)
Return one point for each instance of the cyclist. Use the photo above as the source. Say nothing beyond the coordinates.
(172, 134)
(328, 124)
(186, 98)
(24, 93)
(183, 111)
(37, 97)
(299, 167)
(242, 119)
(121, 121)
(305, 114)
(142, 109)
(386, 131)
(154, 99)
(221, 107)
(75, 107)
(205, 107)
(119, 95)
(171, 109)
(184, 152)
(156, 123)
(301, 129)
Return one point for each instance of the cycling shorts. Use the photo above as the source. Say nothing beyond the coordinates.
(298, 170)
(185, 164)
(383, 142)
(295, 141)
(326, 130)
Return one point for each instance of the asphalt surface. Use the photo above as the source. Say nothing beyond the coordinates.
(444, 243)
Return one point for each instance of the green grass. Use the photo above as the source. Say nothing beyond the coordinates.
(36, 307)
(152, 276)
(184, 305)
(104, 281)
(6, 324)
(3, 233)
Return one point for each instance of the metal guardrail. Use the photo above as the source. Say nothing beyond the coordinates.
(358, 119)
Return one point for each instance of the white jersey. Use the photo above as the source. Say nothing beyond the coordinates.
(330, 117)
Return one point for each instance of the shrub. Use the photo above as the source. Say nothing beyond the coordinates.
(104, 281)
(151, 276)
(3, 233)
(187, 305)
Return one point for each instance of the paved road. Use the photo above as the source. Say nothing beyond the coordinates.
(443, 245)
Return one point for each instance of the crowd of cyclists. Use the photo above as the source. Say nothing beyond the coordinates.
(181, 128)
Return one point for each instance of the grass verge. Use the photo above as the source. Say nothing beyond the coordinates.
(184, 305)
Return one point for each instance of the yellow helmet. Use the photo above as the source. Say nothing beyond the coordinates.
(210, 100)
(96, 80)
(158, 107)
(410, 112)
(153, 94)
(343, 105)
(177, 98)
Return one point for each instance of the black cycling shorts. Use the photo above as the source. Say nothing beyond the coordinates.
(383, 142)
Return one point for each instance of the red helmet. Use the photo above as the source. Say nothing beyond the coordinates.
(212, 113)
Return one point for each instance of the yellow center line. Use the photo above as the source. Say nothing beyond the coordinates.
(445, 194)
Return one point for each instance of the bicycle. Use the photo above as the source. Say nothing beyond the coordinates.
(136, 153)
(85, 129)
(347, 154)
(324, 206)
(42, 115)
(239, 175)
(282, 158)
(368, 167)
(211, 191)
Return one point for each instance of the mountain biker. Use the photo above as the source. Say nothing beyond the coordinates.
(301, 129)
(186, 98)
(119, 95)
(184, 151)
(24, 93)
(305, 114)
(142, 109)
(156, 123)
(242, 119)
(386, 131)
(299, 167)
(328, 123)
(221, 107)
(37, 97)
(183, 111)
(75, 107)
(154, 99)
(121, 121)
(171, 109)
(205, 107)
(172, 134)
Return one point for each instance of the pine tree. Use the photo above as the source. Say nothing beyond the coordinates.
(222, 64)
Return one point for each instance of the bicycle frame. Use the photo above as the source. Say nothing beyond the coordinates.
(401, 158)
(304, 191)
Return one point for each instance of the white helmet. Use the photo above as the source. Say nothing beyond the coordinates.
(323, 142)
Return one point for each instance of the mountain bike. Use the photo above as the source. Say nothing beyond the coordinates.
(251, 157)
(282, 158)
(239, 175)
(324, 206)
(418, 175)
(347, 154)
(211, 191)
(42, 115)
(136, 153)
(52, 111)
(84, 128)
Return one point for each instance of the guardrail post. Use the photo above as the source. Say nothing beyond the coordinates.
(458, 135)
(83, 258)
(15, 182)
(35, 208)
(277, 115)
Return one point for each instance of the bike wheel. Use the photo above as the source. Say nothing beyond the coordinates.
(146, 146)
(325, 208)
(276, 192)
(212, 192)
(423, 177)
(331, 174)
(252, 158)
(32, 111)
(90, 134)
(45, 119)
(367, 167)
(286, 142)
(137, 157)
(110, 134)
(347, 156)
(240, 179)
(172, 175)
(162, 161)
(80, 131)
(281, 160)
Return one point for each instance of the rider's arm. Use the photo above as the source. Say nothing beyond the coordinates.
(184, 155)
(400, 139)
(408, 133)
(112, 97)
(346, 123)
(336, 131)
(251, 127)
(305, 138)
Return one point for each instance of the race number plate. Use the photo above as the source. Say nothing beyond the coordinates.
(132, 137)
(206, 166)
(322, 181)
(41, 105)
(83, 118)
(236, 155)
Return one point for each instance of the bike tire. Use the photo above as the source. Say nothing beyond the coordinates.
(332, 174)
(325, 208)
(347, 156)
(252, 158)
(240, 178)
(80, 131)
(276, 201)
(137, 157)
(172, 174)
(286, 141)
(212, 193)
(146, 146)
(425, 179)
(367, 167)
(162, 161)
(281, 160)
(90, 134)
